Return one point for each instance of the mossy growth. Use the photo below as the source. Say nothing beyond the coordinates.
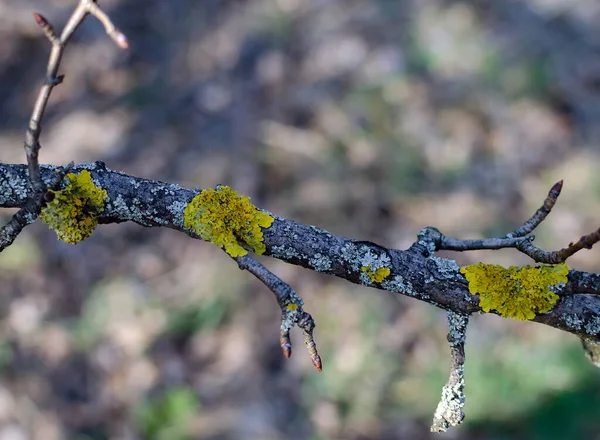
(378, 275)
(228, 220)
(73, 212)
(515, 292)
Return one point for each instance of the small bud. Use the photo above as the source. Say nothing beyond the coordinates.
(39, 19)
(316, 360)
(120, 39)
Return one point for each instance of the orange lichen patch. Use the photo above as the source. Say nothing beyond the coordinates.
(73, 213)
(378, 275)
(515, 292)
(225, 218)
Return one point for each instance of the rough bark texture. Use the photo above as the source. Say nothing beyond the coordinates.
(436, 281)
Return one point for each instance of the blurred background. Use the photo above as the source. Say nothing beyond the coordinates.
(370, 119)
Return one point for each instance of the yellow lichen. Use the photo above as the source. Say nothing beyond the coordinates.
(292, 306)
(378, 275)
(73, 213)
(225, 218)
(515, 292)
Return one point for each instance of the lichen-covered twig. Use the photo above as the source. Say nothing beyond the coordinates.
(32, 136)
(449, 411)
(431, 239)
(28, 213)
(592, 350)
(291, 309)
(437, 281)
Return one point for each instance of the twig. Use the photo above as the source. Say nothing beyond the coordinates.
(431, 239)
(592, 350)
(449, 411)
(32, 136)
(540, 214)
(291, 309)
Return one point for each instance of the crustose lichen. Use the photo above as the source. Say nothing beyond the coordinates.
(515, 292)
(73, 212)
(225, 218)
(378, 275)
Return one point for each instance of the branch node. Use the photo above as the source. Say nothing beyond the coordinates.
(54, 80)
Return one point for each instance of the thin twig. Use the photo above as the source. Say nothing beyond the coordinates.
(540, 214)
(431, 239)
(291, 309)
(585, 242)
(449, 411)
(32, 136)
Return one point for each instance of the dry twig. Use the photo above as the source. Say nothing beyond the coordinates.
(28, 213)
(518, 239)
(449, 411)
(290, 304)
(32, 136)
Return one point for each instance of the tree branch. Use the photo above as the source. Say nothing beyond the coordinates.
(434, 280)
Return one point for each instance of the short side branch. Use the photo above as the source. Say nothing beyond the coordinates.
(518, 239)
(449, 411)
(32, 136)
(291, 309)
(592, 350)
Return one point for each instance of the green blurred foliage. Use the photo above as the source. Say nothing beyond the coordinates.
(165, 417)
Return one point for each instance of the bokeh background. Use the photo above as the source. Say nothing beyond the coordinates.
(369, 118)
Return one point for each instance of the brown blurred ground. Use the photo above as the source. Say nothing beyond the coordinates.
(370, 119)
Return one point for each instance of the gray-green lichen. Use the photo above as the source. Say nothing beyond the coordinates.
(424, 239)
(449, 411)
(12, 187)
(361, 256)
(132, 213)
(400, 285)
(592, 327)
(372, 262)
(572, 321)
(291, 313)
(457, 328)
(286, 253)
(446, 269)
(176, 208)
(320, 263)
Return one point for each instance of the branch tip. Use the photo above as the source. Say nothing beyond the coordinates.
(120, 39)
(557, 188)
(290, 303)
(592, 350)
(39, 19)
(449, 411)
